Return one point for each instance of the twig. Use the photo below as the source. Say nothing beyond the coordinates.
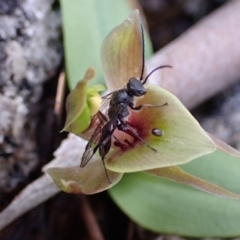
(90, 220)
(205, 58)
(130, 230)
(34, 194)
(58, 107)
(43, 188)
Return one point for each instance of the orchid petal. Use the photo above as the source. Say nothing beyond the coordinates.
(182, 140)
(81, 104)
(122, 52)
(88, 180)
(94, 104)
(225, 147)
(178, 175)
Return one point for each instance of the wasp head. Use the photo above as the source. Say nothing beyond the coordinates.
(136, 87)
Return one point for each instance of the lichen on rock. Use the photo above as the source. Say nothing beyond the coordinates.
(30, 54)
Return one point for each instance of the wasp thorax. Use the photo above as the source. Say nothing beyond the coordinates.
(135, 87)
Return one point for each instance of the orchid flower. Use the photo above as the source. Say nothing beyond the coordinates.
(171, 130)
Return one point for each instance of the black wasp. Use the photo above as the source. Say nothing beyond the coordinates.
(119, 103)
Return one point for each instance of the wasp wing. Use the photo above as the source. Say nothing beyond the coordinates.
(101, 116)
(100, 119)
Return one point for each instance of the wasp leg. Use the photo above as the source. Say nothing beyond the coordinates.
(105, 144)
(146, 105)
(124, 127)
(103, 150)
(105, 147)
(105, 139)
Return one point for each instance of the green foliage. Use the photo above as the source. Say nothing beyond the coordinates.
(85, 25)
(169, 207)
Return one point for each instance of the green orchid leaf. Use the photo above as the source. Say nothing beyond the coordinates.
(181, 141)
(165, 206)
(176, 174)
(85, 24)
(88, 180)
(78, 113)
(122, 52)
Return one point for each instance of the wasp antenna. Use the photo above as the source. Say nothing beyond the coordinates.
(164, 66)
(143, 54)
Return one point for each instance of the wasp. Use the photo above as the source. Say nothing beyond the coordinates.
(120, 103)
